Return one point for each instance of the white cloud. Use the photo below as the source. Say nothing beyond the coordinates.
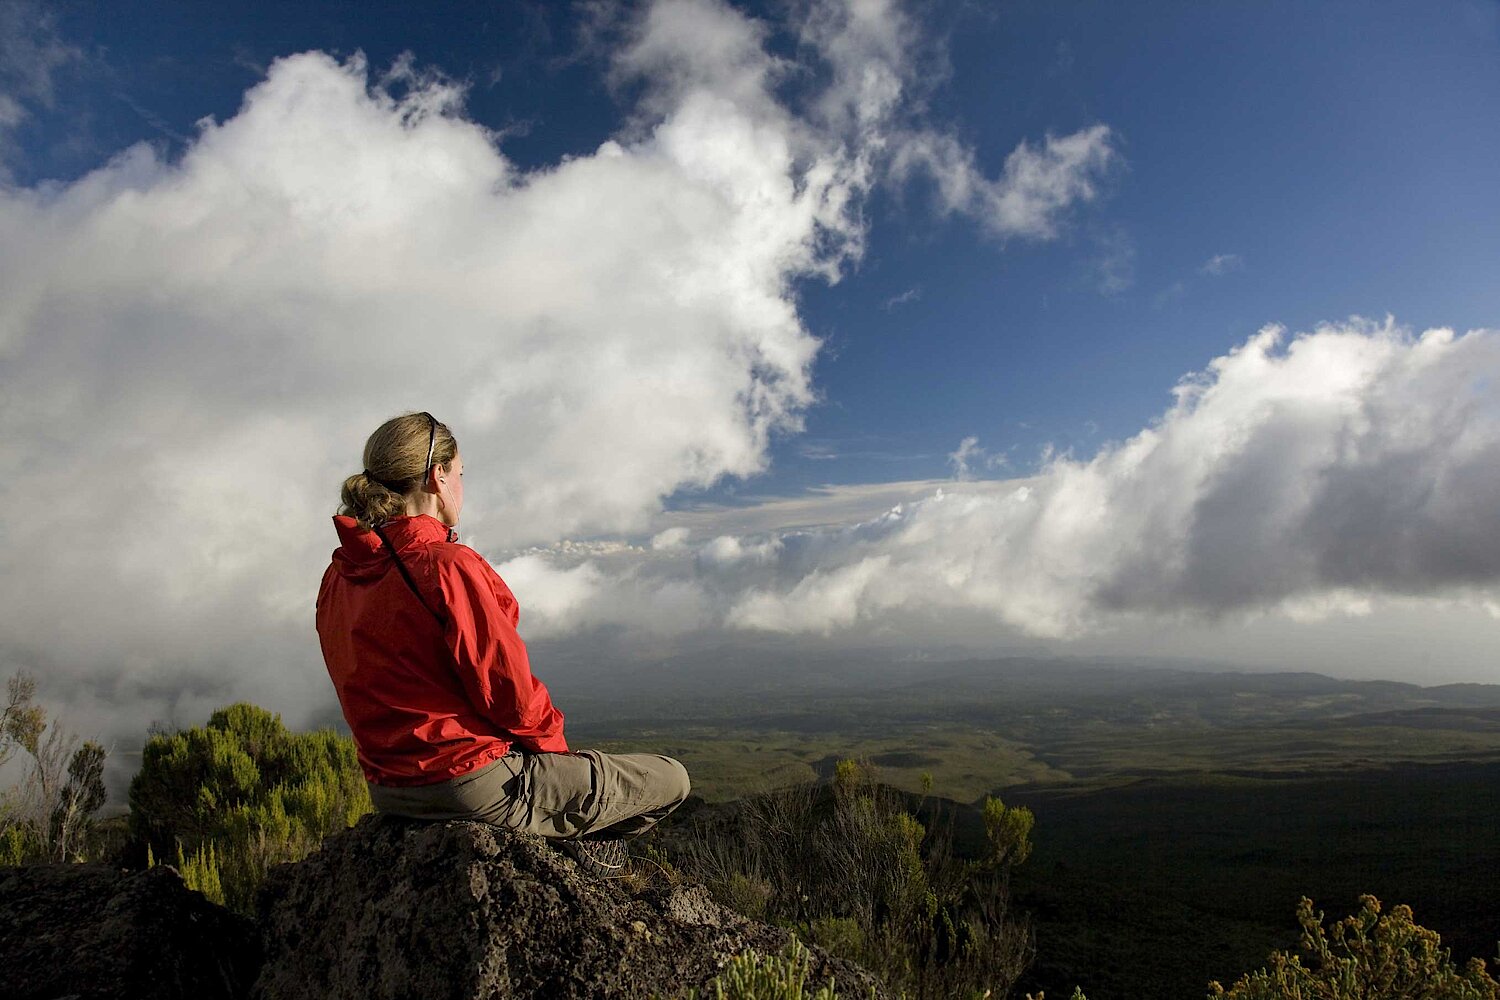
(195, 349)
(901, 299)
(819, 508)
(670, 539)
(1033, 191)
(968, 450)
(1221, 264)
(11, 112)
(1115, 262)
(1357, 461)
(1346, 469)
(971, 457)
(873, 51)
(31, 54)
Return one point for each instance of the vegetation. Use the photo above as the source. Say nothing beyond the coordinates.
(752, 976)
(49, 815)
(981, 726)
(1366, 956)
(1180, 814)
(853, 870)
(226, 801)
(1176, 831)
(1154, 887)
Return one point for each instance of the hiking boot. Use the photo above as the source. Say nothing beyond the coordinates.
(600, 858)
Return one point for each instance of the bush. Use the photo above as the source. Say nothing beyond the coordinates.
(850, 868)
(241, 794)
(49, 815)
(774, 977)
(1365, 957)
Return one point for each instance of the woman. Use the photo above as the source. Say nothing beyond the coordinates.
(419, 635)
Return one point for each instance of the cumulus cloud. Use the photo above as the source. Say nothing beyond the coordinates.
(1299, 478)
(195, 348)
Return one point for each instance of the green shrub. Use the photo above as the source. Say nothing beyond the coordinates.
(746, 894)
(243, 793)
(1364, 957)
(1008, 830)
(200, 871)
(16, 844)
(842, 936)
(752, 976)
(850, 868)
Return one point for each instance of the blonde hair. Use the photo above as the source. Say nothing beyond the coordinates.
(394, 470)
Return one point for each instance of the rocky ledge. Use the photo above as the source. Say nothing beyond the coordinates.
(92, 932)
(388, 909)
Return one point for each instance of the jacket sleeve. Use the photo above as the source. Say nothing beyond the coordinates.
(491, 658)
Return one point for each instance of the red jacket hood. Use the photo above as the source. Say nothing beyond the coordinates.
(428, 693)
(361, 554)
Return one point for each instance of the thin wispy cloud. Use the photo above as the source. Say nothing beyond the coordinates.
(818, 451)
(1172, 293)
(1115, 262)
(1036, 187)
(910, 295)
(31, 56)
(1221, 264)
(971, 458)
(31, 52)
(154, 120)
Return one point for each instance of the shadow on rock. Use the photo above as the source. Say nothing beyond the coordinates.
(93, 932)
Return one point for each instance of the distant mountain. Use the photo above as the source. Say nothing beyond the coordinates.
(762, 687)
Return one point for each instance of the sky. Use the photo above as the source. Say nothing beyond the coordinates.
(1158, 330)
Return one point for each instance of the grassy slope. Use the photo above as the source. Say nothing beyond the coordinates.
(1179, 816)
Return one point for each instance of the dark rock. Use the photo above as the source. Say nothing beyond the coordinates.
(460, 910)
(96, 933)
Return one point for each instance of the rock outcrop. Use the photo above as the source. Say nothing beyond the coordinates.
(454, 911)
(92, 932)
(388, 909)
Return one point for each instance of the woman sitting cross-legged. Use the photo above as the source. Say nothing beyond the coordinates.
(419, 635)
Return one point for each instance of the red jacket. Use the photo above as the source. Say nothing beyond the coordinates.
(428, 702)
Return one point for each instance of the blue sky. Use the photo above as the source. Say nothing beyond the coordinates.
(1341, 157)
(1098, 329)
(1344, 154)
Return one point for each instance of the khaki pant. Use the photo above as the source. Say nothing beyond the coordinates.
(557, 795)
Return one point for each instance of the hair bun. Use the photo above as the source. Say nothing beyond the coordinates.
(405, 447)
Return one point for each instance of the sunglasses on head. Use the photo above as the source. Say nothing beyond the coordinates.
(431, 443)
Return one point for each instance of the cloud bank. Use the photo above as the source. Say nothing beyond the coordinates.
(195, 349)
(1303, 477)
